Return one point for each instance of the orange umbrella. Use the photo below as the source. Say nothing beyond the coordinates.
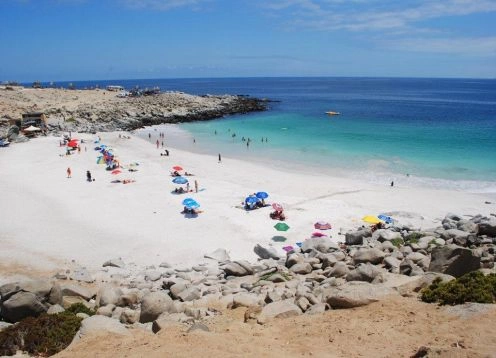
(117, 171)
(177, 167)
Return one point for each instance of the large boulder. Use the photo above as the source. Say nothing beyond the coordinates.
(190, 293)
(321, 244)
(22, 305)
(340, 269)
(238, 268)
(454, 260)
(365, 272)
(266, 252)
(374, 256)
(487, 227)
(356, 237)
(279, 309)
(114, 263)
(458, 236)
(101, 325)
(76, 290)
(301, 269)
(355, 294)
(41, 288)
(108, 295)
(153, 305)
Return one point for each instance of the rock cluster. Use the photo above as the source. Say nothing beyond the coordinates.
(320, 275)
(84, 111)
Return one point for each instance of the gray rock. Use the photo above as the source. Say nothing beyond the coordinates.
(317, 308)
(153, 305)
(453, 260)
(220, 255)
(108, 295)
(76, 290)
(198, 326)
(382, 235)
(40, 288)
(303, 303)
(129, 299)
(114, 263)
(189, 294)
(176, 289)
(279, 309)
(22, 305)
(106, 310)
(153, 275)
(55, 295)
(238, 268)
(165, 265)
(129, 316)
(82, 275)
(365, 272)
(340, 269)
(266, 252)
(466, 225)
(409, 268)
(293, 259)
(356, 237)
(301, 269)
(364, 255)
(320, 244)
(55, 309)
(421, 260)
(392, 263)
(355, 294)
(487, 227)
(101, 325)
(245, 300)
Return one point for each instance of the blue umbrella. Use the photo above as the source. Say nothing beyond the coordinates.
(262, 195)
(179, 180)
(191, 203)
(385, 218)
(251, 200)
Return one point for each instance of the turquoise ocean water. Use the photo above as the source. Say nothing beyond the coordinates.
(441, 132)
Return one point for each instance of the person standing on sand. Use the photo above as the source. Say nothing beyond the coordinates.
(69, 172)
(196, 186)
(392, 184)
(157, 143)
(220, 159)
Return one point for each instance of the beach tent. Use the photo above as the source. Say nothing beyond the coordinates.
(322, 225)
(281, 227)
(180, 180)
(262, 195)
(191, 203)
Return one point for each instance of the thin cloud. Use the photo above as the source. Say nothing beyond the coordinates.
(471, 46)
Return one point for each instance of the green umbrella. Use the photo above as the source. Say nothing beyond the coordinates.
(281, 227)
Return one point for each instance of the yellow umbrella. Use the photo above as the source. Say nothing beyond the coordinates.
(372, 219)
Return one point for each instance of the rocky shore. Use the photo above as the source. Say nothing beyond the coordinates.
(102, 111)
(320, 276)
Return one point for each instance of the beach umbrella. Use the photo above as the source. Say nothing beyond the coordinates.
(262, 195)
(191, 203)
(371, 219)
(322, 225)
(277, 207)
(288, 248)
(281, 227)
(385, 218)
(251, 200)
(117, 171)
(279, 238)
(177, 167)
(179, 180)
(73, 143)
(318, 234)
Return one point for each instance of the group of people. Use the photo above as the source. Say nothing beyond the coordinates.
(278, 215)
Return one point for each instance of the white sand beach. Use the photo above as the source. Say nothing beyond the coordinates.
(49, 220)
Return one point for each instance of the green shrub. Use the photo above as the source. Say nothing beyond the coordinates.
(398, 242)
(42, 336)
(80, 308)
(471, 287)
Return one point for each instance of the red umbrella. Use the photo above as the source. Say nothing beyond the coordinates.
(177, 167)
(117, 171)
(277, 207)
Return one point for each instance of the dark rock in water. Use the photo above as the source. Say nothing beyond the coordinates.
(454, 260)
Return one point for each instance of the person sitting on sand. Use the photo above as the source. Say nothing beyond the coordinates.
(179, 190)
(175, 173)
(188, 174)
(278, 215)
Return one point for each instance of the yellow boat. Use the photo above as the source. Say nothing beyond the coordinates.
(331, 113)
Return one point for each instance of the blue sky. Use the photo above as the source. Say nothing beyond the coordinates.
(114, 39)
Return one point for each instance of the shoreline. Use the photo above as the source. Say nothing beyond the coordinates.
(183, 139)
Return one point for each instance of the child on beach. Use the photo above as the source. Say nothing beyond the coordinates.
(69, 172)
